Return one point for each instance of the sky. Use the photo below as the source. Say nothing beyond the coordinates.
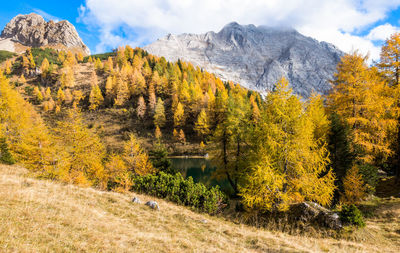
(106, 24)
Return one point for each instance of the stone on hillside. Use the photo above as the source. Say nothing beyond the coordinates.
(153, 204)
(310, 212)
(136, 200)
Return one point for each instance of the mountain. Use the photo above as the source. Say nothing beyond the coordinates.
(33, 31)
(256, 57)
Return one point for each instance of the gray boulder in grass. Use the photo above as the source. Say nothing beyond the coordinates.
(153, 205)
(136, 200)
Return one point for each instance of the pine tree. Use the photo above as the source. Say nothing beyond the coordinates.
(159, 114)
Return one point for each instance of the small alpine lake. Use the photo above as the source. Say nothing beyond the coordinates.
(201, 170)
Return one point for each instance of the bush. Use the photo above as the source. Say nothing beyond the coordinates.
(182, 191)
(350, 214)
(5, 155)
(370, 177)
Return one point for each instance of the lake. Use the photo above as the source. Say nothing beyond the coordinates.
(201, 170)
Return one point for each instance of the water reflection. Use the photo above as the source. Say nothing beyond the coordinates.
(201, 170)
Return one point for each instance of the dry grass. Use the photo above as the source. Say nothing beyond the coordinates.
(43, 216)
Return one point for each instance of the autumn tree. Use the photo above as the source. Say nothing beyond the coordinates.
(159, 114)
(390, 66)
(121, 93)
(82, 152)
(136, 158)
(360, 99)
(44, 68)
(354, 189)
(23, 132)
(287, 164)
(201, 126)
(179, 115)
(141, 108)
(118, 173)
(95, 97)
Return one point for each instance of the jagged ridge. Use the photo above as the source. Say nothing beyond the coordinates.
(256, 57)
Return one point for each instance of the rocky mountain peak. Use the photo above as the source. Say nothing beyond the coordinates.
(33, 31)
(256, 56)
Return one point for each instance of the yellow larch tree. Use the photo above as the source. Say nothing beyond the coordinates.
(136, 158)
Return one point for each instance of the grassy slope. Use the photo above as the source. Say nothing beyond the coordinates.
(39, 215)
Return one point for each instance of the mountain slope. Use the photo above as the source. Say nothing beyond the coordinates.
(256, 57)
(39, 215)
(33, 31)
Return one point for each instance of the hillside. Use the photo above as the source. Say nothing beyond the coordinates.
(256, 57)
(39, 215)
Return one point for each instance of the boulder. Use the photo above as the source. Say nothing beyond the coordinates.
(310, 212)
(136, 200)
(153, 205)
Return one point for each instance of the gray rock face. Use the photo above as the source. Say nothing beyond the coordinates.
(256, 57)
(33, 31)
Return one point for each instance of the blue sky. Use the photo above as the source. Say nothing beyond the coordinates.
(107, 24)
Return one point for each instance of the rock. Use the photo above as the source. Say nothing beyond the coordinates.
(136, 200)
(256, 57)
(204, 221)
(310, 212)
(329, 220)
(33, 31)
(153, 204)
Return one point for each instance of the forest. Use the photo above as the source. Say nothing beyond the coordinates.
(275, 149)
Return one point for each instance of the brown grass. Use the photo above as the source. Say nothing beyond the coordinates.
(44, 216)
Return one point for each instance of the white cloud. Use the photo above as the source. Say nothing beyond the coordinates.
(382, 32)
(332, 21)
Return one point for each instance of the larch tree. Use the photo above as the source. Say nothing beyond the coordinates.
(95, 97)
(136, 158)
(117, 172)
(390, 66)
(179, 115)
(159, 114)
(141, 108)
(82, 152)
(23, 131)
(121, 92)
(201, 126)
(359, 98)
(287, 165)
